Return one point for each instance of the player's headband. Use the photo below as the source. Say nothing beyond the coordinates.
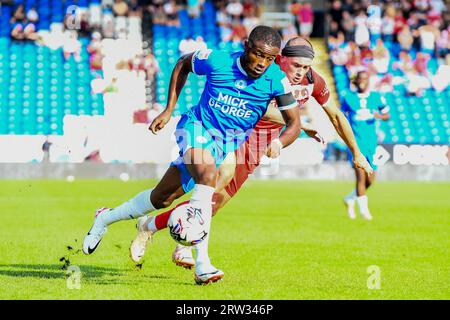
(298, 51)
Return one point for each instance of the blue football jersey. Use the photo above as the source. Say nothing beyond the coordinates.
(360, 108)
(231, 101)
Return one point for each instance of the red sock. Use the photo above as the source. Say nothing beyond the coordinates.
(162, 218)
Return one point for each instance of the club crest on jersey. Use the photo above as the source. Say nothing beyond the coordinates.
(240, 84)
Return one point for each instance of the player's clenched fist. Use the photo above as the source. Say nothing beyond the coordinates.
(274, 149)
(159, 122)
(361, 162)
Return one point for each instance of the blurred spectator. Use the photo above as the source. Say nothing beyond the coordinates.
(362, 35)
(398, 30)
(443, 43)
(22, 29)
(399, 21)
(222, 17)
(404, 63)
(95, 54)
(388, 24)
(250, 20)
(135, 9)
(336, 11)
(19, 14)
(84, 30)
(151, 66)
(108, 28)
(295, 10)
(193, 8)
(289, 32)
(120, 8)
(421, 63)
(405, 38)
(354, 62)
(33, 16)
(248, 8)
(441, 80)
(381, 57)
(238, 32)
(339, 56)
(374, 21)
(147, 115)
(71, 45)
(95, 17)
(336, 37)
(306, 16)
(223, 21)
(46, 150)
(235, 9)
(348, 26)
(171, 11)
(428, 37)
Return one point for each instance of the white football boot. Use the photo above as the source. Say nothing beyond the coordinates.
(182, 256)
(207, 274)
(366, 215)
(139, 244)
(350, 204)
(96, 233)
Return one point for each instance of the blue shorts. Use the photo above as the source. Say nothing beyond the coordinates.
(190, 133)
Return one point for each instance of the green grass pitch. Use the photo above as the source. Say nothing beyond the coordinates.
(274, 240)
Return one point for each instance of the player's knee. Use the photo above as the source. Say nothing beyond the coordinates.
(207, 177)
(160, 201)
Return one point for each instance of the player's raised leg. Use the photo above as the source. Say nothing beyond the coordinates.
(167, 190)
(361, 197)
(350, 201)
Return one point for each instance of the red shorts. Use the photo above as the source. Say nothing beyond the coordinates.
(249, 154)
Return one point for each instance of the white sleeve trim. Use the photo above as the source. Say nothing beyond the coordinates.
(287, 87)
(192, 62)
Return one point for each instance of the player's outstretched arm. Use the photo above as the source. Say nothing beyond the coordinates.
(345, 131)
(273, 114)
(289, 135)
(177, 80)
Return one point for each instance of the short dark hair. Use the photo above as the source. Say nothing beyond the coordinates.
(265, 34)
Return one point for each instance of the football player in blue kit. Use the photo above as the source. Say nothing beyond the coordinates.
(237, 92)
(362, 107)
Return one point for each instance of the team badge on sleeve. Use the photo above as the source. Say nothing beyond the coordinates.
(203, 54)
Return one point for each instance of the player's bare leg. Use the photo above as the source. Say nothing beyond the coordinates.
(167, 190)
(182, 255)
(201, 166)
(362, 180)
(350, 201)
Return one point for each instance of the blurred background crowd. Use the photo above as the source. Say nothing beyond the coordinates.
(98, 70)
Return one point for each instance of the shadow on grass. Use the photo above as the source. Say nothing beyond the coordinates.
(54, 271)
(92, 274)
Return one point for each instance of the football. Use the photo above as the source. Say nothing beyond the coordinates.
(187, 225)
